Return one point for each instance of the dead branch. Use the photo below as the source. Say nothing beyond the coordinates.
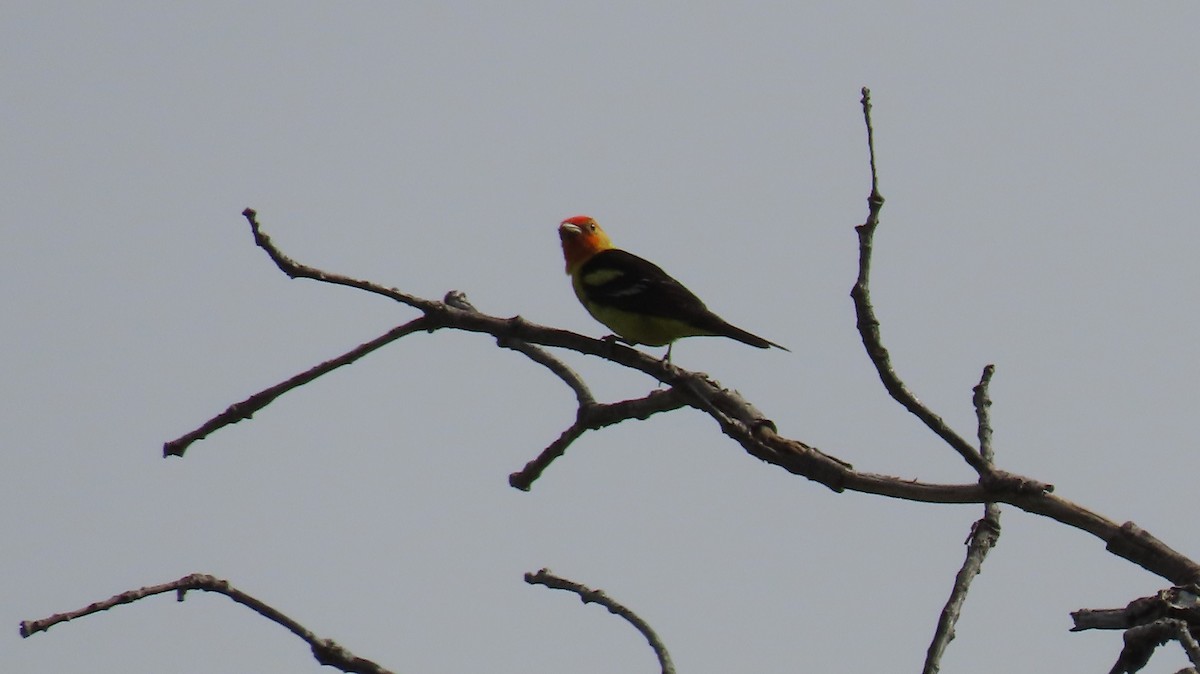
(743, 423)
(985, 533)
(737, 419)
(590, 596)
(326, 651)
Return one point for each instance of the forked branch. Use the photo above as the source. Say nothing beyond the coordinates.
(740, 420)
(736, 417)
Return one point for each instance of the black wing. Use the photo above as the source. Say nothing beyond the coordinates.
(627, 282)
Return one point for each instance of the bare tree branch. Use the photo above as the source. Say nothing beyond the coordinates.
(1181, 602)
(746, 425)
(583, 394)
(1148, 622)
(326, 651)
(983, 415)
(588, 595)
(590, 415)
(985, 532)
(594, 416)
(753, 431)
(1128, 541)
(1143, 640)
(868, 324)
(246, 408)
(296, 270)
(1187, 639)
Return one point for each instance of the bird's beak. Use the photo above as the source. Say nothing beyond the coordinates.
(567, 229)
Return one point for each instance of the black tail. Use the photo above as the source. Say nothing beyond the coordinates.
(725, 329)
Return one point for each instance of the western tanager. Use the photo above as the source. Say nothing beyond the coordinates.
(634, 297)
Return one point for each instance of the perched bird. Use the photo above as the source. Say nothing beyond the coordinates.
(634, 297)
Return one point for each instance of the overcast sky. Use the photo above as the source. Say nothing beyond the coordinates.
(1039, 164)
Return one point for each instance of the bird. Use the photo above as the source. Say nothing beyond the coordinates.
(634, 297)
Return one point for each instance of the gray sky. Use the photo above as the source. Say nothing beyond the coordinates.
(1039, 165)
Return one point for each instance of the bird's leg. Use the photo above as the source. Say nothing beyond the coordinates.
(666, 364)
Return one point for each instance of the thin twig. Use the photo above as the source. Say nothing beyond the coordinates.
(985, 533)
(246, 408)
(588, 595)
(983, 414)
(868, 323)
(296, 270)
(326, 651)
(538, 355)
(595, 416)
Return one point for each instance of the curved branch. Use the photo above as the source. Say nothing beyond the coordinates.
(868, 323)
(590, 596)
(296, 270)
(326, 651)
(583, 394)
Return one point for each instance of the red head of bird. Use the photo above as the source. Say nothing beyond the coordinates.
(581, 239)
